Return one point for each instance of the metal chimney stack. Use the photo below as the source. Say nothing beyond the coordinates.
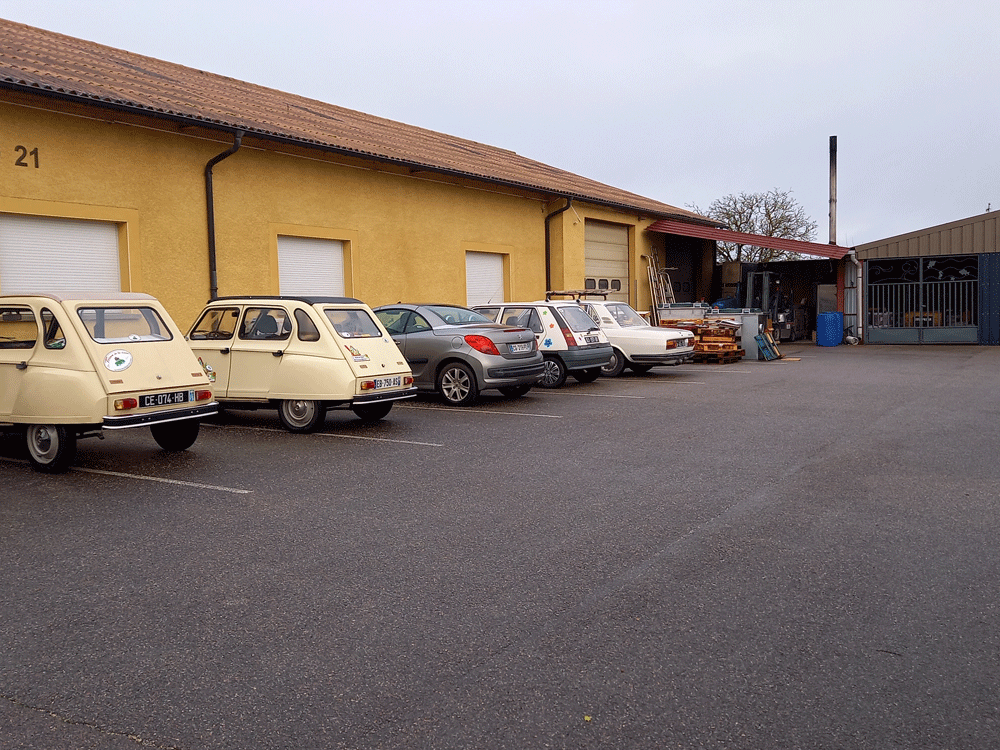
(833, 190)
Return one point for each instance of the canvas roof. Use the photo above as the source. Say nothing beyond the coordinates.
(44, 62)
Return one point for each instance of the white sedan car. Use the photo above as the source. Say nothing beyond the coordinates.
(635, 343)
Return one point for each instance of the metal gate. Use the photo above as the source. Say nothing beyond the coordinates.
(923, 300)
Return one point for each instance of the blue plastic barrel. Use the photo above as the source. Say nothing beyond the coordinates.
(830, 329)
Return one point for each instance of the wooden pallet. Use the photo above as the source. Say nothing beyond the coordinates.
(766, 346)
(719, 358)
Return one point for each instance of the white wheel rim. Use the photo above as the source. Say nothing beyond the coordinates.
(43, 442)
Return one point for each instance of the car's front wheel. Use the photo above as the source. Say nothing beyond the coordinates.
(616, 366)
(588, 375)
(457, 383)
(297, 415)
(371, 412)
(51, 447)
(554, 374)
(176, 436)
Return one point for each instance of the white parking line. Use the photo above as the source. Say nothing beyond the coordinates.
(455, 410)
(326, 434)
(593, 395)
(234, 490)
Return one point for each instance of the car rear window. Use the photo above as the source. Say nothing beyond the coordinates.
(576, 318)
(120, 325)
(352, 323)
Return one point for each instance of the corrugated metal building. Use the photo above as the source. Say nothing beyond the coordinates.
(939, 285)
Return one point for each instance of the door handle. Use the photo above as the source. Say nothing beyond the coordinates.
(277, 353)
(21, 365)
(224, 351)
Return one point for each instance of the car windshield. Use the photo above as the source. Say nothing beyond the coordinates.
(577, 318)
(625, 315)
(353, 324)
(457, 315)
(119, 325)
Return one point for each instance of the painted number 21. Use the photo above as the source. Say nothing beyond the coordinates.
(23, 157)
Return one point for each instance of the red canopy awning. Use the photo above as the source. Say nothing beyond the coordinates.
(669, 226)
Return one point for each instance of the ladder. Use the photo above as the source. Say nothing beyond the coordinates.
(660, 288)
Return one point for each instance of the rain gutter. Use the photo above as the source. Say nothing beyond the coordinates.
(213, 273)
(548, 241)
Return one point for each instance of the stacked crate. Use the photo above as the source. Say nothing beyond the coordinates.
(715, 341)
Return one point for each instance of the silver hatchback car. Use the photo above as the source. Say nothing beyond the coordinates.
(457, 352)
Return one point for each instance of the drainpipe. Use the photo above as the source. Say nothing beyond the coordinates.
(548, 248)
(213, 274)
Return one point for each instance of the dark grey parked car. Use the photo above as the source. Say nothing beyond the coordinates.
(457, 352)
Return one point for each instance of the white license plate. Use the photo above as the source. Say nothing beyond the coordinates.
(165, 399)
(515, 348)
(591, 339)
(393, 382)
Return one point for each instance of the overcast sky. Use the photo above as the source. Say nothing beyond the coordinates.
(683, 102)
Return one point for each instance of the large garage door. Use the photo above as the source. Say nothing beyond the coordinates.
(310, 266)
(606, 262)
(43, 254)
(484, 278)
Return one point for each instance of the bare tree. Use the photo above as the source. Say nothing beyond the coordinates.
(772, 214)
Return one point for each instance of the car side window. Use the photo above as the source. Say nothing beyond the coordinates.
(489, 312)
(307, 329)
(54, 336)
(417, 323)
(265, 323)
(216, 323)
(393, 320)
(18, 329)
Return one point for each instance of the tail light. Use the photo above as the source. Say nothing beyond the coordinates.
(122, 404)
(407, 380)
(570, 338)
(202, 395)
(672, 344)
(482, 344)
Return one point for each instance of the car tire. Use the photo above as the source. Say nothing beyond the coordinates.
(176, 436)
(369, 413)
(514, 391)
(616, 366)
(51, 447)
(640, 369)
(554, 374)
(587, 376)
(300, 416)
(457, 384)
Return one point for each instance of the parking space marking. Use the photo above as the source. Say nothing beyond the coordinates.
(234, 490)
(454, 410)
(327, 434)
(594, 395)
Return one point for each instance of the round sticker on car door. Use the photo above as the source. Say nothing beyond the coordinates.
(118, 360)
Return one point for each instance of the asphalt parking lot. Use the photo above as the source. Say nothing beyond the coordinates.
(793, 554)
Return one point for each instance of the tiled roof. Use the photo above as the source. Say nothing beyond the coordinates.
(45, 62)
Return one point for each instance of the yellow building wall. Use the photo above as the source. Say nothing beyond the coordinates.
(406, 235)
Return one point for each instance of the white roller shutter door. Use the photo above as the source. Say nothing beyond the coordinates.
(44, 254)
(484, 278)
(310, 266)
(606, 259)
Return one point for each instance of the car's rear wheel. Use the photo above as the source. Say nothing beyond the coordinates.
(371, 412)
(640, 369)
(457, 383)
(514, 391)
(554, 374)
(176, 436)
(616, 366)
(51, 447)
(297, 415)
(587, 376)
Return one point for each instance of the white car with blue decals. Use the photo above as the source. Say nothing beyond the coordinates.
(569, 340)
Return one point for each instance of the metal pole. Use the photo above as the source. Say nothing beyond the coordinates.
(833, 190)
